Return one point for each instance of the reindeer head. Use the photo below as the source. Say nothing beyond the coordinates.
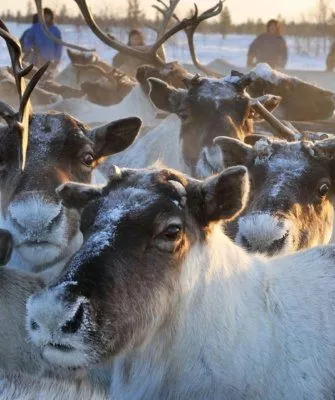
(59, 149)
(292, 191)
(208, 108)
(301, 100)
(122, 285)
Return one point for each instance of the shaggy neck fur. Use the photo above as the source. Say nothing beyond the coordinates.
(162, 144)
(190, 346)
(243, 327)
(135, 103)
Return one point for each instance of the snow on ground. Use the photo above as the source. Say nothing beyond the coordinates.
(232, 48)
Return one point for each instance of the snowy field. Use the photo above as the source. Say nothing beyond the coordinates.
(232, 48)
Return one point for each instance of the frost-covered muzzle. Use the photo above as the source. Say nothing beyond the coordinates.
(261, 232)
(59, 327)
(43, 231)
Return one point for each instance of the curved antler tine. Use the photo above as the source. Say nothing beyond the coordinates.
(55, 39)
(183, 24)
(276, 124)
(190, 30)
(25, 113)
(15, 52)
(105, 38)
(30, 87)
(149, 55)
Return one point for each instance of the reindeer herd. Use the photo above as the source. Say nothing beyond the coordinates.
(169, 251)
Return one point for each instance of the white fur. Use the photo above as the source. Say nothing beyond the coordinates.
(25, 387)
(135, 103)
(210, 162)
(264, 71)
(243, 327)
(160, 144)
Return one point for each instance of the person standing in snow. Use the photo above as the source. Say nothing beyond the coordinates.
(44, 48)
(269, 47)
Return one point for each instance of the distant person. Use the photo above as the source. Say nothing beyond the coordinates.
(26, 32)
(129, 64)
(330, 62)
(44, 49)
(269, 47)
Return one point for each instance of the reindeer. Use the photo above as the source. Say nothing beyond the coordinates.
(184, 312)
(136, 100)
(291, 206)
(8, 92)
(60, 148)
(206, 109)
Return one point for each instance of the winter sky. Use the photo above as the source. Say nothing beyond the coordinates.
(240, 9)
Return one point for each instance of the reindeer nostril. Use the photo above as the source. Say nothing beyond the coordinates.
(277, 245)
(74, 324)
(34, 325)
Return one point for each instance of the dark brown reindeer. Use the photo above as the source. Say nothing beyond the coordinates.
(291, 205)
(60, 148)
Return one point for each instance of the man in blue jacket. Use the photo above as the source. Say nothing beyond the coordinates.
(44, 49)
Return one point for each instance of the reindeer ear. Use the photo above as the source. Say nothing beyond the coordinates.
(6, 246)
(251, 140)
(78, 195)
(165, 97)
(115, 136)
(226, 194)
(234, 152)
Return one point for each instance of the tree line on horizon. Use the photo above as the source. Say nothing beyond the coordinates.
(320, 23)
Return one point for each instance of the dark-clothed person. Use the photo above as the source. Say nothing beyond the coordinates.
(269, 47)
(330, 62)
(129, 64)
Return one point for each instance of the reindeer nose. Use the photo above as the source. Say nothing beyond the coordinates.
(52, 318)
(263, 233)
(35, 214)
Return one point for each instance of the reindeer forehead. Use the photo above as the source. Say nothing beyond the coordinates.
(51, 129)
(129, 203)
(281, 155)
(214, 90)
(54, 124)
(284, 165)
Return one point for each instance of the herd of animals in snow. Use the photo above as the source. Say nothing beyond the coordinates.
(165, 235)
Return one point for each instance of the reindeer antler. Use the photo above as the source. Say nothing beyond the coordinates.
(19, 123)
(289, 134)
(40, 12)
(210, 13)
(148, 54)
(169, 13)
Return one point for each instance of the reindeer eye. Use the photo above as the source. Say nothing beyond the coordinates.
(172, 232)
(323, 190)
(87, 159)
(183, 115)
